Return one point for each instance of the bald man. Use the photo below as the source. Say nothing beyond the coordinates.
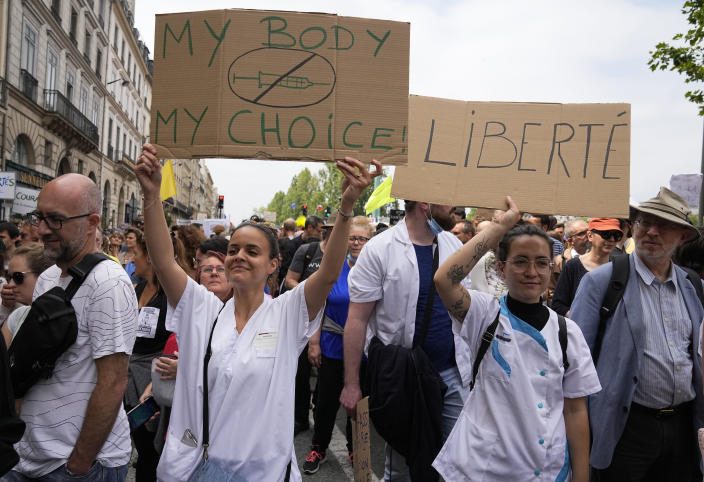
(76, 426)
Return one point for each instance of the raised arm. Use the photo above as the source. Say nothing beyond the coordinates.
(156, 233)
(357, 179)
(457, 266)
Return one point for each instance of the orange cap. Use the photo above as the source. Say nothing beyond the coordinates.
(605, 224)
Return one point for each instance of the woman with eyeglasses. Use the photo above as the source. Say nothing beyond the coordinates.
(603, 235)
(232, 417)
(526, 416)
(325, 352)
(25, 265)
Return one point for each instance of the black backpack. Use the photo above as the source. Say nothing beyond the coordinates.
(488, 337)
(614, 293)
(49, 329)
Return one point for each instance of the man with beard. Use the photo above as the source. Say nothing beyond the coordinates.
(389, 288)
(76, 425)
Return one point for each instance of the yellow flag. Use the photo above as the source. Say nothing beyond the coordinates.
(380, 197)
(301, 221)
(168, 181)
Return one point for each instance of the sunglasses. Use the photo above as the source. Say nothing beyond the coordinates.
(612, 234)
(18, 276)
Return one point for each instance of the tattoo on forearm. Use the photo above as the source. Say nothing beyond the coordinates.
(456, 273)
(479, 250)
(459, 308)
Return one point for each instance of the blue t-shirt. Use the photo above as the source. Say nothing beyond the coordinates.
(439, 344)
(338, 303)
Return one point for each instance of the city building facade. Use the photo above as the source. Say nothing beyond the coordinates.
(76, 97)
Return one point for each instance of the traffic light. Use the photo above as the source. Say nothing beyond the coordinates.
(221, 201)
(304, 210)
(327, 211)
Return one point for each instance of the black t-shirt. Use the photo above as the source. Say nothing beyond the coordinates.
(307, 267)
(572, 273)
(144, 346)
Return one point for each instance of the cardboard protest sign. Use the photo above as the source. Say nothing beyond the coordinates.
(551, 158)
(280, 85)
(361, 438)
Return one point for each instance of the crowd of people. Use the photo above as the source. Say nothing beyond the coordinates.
(548, 367)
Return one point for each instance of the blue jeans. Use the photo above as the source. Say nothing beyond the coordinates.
(395, 467)
(97, 473)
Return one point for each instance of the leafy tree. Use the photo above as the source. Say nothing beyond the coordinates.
(686, 54)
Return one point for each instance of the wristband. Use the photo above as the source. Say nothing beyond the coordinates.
(345, 215)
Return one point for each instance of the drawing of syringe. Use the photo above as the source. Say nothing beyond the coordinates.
(288, 82)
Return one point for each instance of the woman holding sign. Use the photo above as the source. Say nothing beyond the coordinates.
(526, 417)
(233, 403)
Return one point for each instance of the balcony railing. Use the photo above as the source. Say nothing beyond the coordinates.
(55, 13)
(55, 102)
(3, 92)
(28, 85)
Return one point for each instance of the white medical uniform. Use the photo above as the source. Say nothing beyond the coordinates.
(512, 426)
(251, 385)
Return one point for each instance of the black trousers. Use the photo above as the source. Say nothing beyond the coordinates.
(147, 456)
(654, 448)
(302, 401)
(331, 381)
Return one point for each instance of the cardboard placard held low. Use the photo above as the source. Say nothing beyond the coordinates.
(361, 443)
(280, 85)
(570, 159)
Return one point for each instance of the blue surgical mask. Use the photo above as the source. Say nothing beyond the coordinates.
(434, 227)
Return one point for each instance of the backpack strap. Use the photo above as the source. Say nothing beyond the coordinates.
(562, 335)
(617, 286)
(696, 281)
(487, 338)
(81, 270)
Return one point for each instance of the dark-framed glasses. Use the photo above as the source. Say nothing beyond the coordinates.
(18, 276)
(52, 220)
(358, 239)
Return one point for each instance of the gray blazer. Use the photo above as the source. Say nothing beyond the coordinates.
(622, 352)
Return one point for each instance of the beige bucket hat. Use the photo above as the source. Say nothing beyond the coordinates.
(669, 206)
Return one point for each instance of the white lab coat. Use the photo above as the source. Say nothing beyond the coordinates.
(512, 426)
(251, 385)
(387, 272)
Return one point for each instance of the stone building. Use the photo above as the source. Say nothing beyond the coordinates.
(75, 97)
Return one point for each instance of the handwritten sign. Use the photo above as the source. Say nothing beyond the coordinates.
(25, 200)
(280, 85)
(7, 185)
(361, 439)
(688, 186)
(552, 158)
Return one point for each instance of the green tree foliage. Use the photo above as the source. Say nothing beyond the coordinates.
(686, 54)
(319, 189)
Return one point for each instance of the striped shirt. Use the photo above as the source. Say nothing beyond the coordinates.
(665, 377)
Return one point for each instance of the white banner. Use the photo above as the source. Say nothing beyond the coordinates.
(688, 186)
(25, 200)
(7, 185)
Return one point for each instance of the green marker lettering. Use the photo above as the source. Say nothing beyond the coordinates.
(219, 38)
(186, 27)
(159, 117)
(266, 129)
(323, 38)
(229, 127)
(330, 131)
(344, 135)
(381, 132)
(290, 132)
(336, 29)
(280, 31)
(381, 41)
(197, 121)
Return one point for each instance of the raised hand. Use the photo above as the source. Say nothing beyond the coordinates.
(357, 178)
(148, 171)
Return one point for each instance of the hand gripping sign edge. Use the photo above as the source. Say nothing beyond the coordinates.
(284, 79)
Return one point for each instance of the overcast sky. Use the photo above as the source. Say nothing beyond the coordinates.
(549, 51)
